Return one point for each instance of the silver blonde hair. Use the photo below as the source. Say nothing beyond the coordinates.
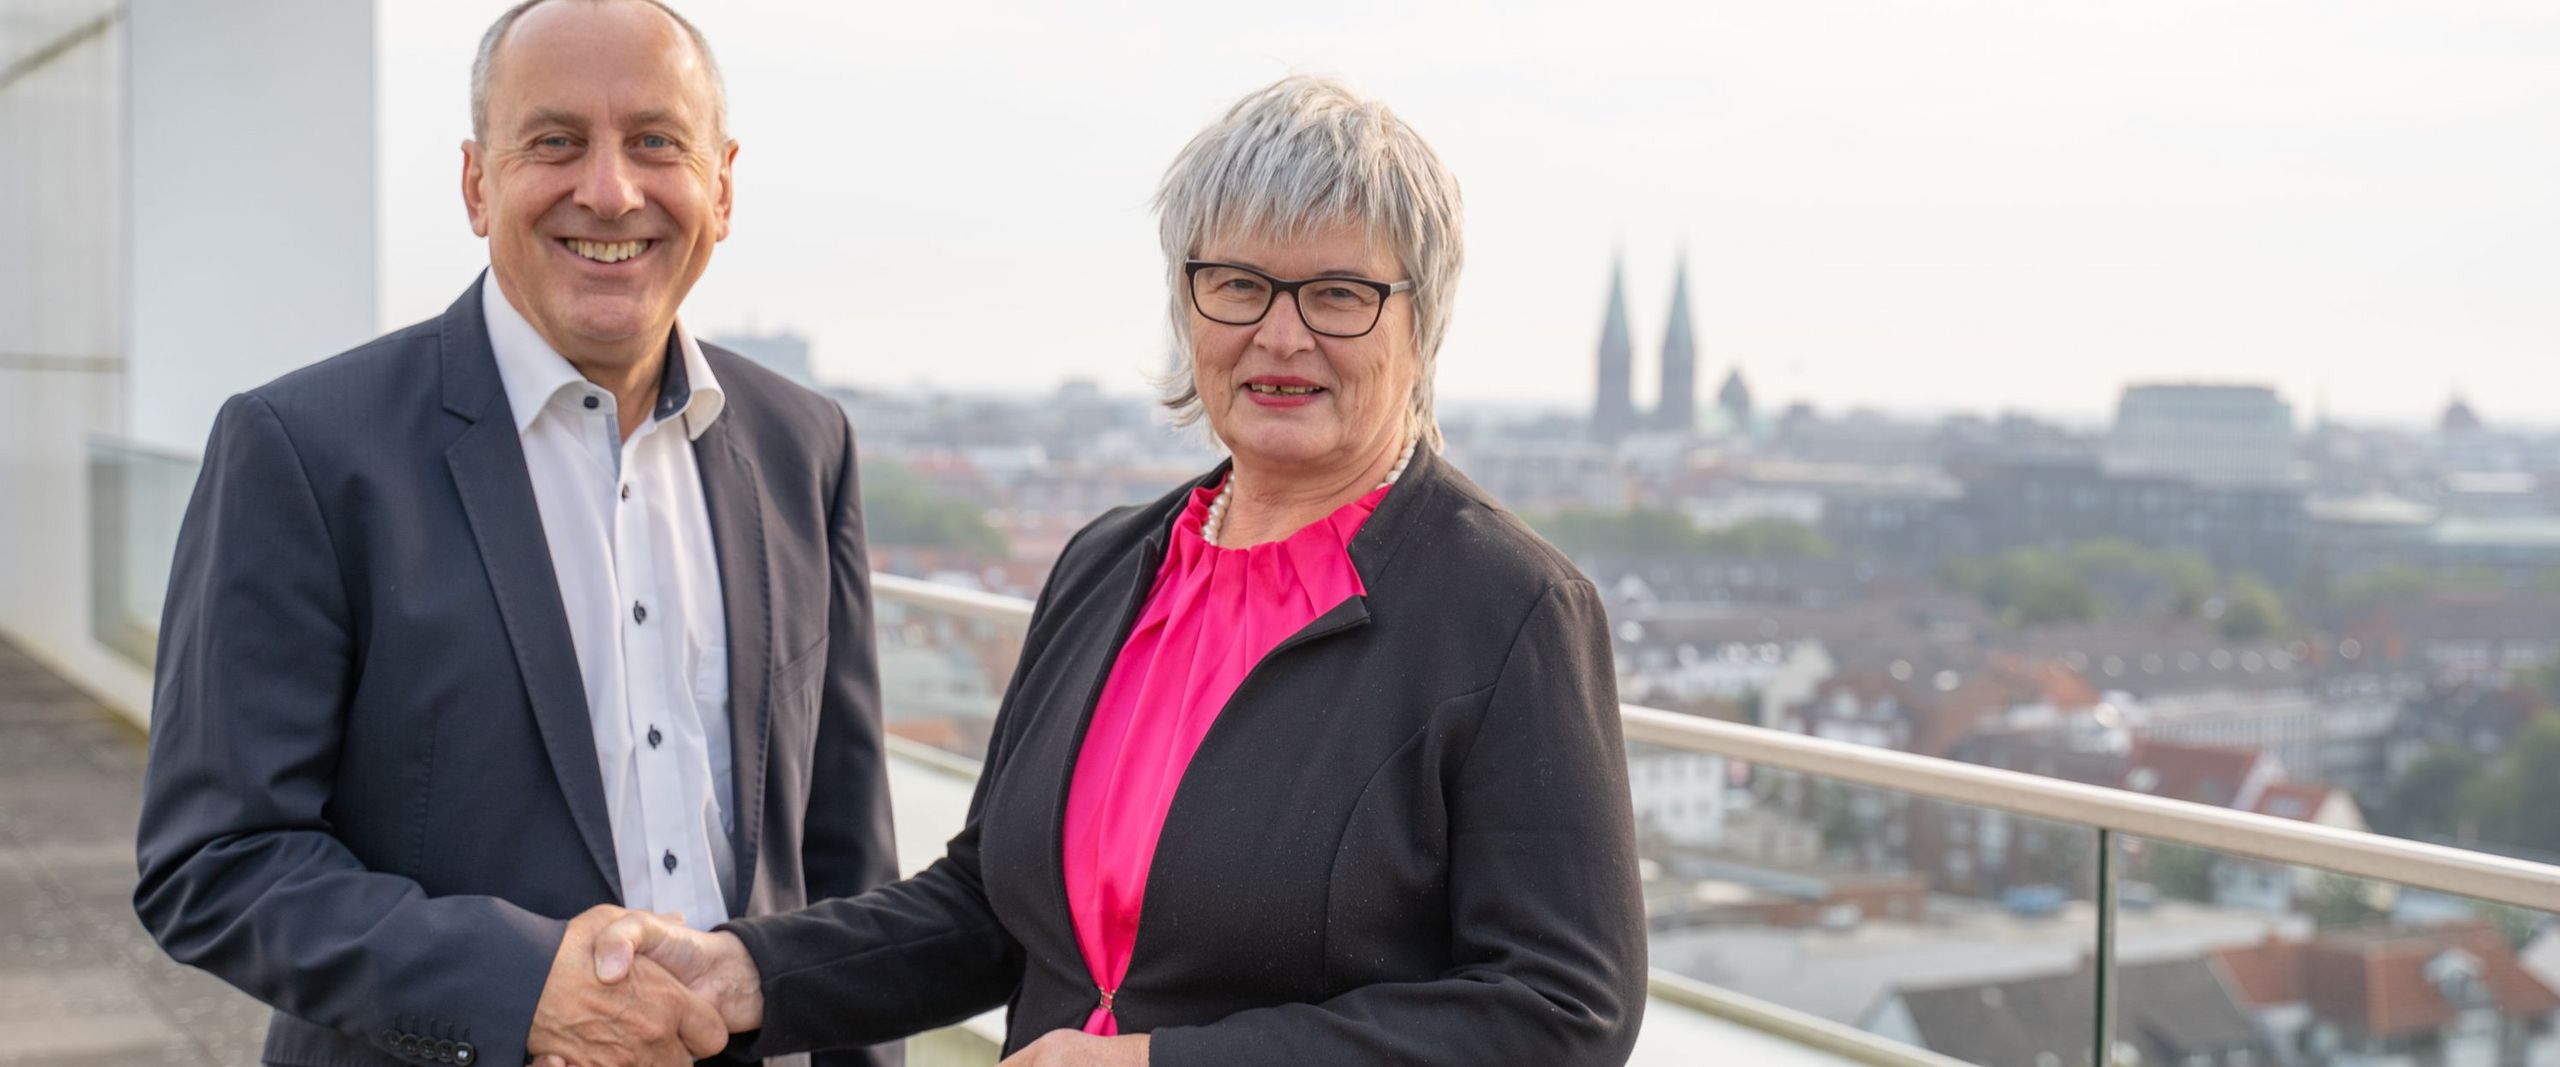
(1304, 153)
(487, 57)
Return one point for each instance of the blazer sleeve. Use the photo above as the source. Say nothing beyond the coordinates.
(1546, 915)
(848, 842)
(906, 957)
(240, 874)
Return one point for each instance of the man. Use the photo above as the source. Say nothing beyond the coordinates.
(538, 606)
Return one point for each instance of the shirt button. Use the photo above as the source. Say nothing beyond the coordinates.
(669, 862)
(626, 492)
(591, 403)
(639, 613)
(655, 737)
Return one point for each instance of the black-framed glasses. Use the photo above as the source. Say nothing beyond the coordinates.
(1334, 305)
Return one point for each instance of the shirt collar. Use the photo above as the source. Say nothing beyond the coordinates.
(534, 374)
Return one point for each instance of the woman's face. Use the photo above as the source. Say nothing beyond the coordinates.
(1290, 401)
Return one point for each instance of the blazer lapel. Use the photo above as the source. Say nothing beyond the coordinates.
(489, 473)
(732, 492)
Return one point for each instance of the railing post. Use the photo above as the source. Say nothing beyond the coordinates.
(2103, 965)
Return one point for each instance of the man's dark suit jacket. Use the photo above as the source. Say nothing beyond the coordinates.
(373, 798)
(1406, 839)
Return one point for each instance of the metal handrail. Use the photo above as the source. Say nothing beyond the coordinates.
(990, 607)
(2480, 875)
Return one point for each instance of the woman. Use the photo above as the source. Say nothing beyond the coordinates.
(1313, 761)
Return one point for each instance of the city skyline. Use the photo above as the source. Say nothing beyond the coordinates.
(2007, 207)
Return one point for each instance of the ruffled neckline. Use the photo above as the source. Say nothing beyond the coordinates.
(1316, 548)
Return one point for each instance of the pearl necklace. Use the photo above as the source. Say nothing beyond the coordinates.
(1216, 519)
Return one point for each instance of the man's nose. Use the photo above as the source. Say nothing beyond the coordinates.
(606, 188)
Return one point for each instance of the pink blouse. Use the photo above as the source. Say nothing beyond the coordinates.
(1213, 613)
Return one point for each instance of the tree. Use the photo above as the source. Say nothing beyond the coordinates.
(1657, 531)
(2146, 581)
(2250, 610)
(1768, 539)
(2338, 901)
(899, 508)
(2182, 872)
(2035, 587)
(2513, 807)
(2427, 800)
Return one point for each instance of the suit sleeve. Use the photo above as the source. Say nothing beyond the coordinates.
(907, 957)
(848, 840)
(1546, 917)
(240, 874)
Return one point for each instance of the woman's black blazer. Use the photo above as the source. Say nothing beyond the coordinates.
(1407, 838)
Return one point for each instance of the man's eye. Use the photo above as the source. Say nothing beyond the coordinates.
(655, 141)
(555, 141)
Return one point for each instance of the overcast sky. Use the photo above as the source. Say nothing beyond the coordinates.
(1918, 206)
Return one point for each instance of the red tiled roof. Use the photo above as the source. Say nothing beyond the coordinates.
(2375, 982)
(2294, 800)
(2378, 988)
(2199, 773)
(2264, 974)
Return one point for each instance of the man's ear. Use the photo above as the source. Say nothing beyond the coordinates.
(474, 168)
(728, 188)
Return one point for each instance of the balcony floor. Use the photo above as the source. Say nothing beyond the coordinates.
(81, 984)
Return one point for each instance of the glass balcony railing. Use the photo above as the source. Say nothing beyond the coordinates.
(1814, 901)
(137, 496)
(1819, 902)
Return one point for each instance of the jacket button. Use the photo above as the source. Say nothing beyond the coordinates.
(444, 1052)
(391, 1039)
(463, 1053)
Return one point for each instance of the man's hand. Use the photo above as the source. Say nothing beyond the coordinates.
(714, 966)
(1075, 1048)
(651, 1020)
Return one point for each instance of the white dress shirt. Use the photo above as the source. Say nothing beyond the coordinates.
(631, 543)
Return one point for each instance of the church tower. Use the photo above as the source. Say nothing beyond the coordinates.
(1679, 410)
(1613, 414)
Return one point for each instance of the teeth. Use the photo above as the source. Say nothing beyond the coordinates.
(603, 252)
(1281, 390)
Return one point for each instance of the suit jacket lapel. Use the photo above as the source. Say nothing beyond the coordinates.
(732, 492)
(489, 473)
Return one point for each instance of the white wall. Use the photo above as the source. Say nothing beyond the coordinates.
(186, 210)
(252, 175)
(62, 374)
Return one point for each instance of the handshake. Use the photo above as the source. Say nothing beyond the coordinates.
(639, 989)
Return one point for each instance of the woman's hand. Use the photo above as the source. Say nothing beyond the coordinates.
(1075, 1048)
(714, 966)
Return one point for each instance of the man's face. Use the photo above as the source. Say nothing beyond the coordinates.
(602, 179)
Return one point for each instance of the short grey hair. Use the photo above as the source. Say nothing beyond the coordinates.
(486, 57)
(1303, 153)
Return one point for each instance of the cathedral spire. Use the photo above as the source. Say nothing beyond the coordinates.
(1613, 413)
(1679, 408)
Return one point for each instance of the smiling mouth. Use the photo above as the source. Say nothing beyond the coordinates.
(1282, 390)
(605, 251)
